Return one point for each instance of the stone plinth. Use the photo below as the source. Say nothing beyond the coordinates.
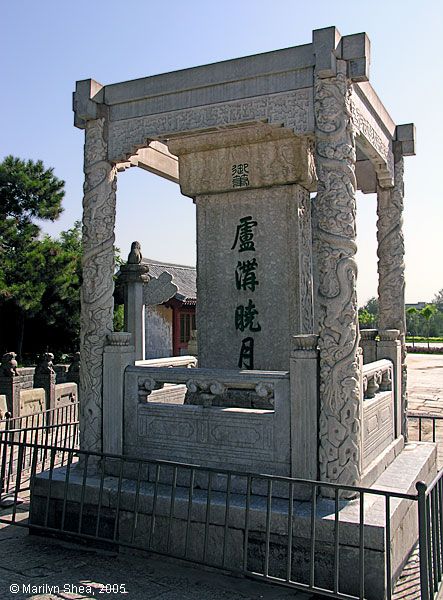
(183, 534)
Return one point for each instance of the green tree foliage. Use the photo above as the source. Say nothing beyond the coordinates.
(40, 277)
(438, 300)
(368, 314)
(28, 192)
(412, 321)
(427, 312)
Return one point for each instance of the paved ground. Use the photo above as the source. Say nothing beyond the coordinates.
(425, 382)
(28, 562)
(31, 561)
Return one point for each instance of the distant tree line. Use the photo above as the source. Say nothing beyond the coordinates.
(420, 322)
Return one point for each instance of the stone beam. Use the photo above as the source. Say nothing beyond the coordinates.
(325, 42)
(373, 137)
(158, 160)
(356, 50)
(293, 109)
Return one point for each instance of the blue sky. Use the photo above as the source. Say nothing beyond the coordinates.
(46, 46)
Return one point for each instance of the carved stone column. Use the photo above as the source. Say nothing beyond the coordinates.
(391, 266)
(334, 211)
(98, 269)
(133, 275)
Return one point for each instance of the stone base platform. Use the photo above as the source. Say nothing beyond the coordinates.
(182, 532)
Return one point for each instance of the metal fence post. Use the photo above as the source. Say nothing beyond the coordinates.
(422, 539)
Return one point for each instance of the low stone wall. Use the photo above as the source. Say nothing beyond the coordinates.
(34, 400)
(65, 394)
(34, 389)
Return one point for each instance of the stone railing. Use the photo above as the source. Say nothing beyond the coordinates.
(377, 377)
(29, 390)
(211, 387)
(208, 428)
(172, 361)
(169, 393)
(379, 438)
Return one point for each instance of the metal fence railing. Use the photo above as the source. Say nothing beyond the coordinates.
(430, 511)
(425, 427)
(247, 523)
(242, 522)
(61, 414)
(20, 436)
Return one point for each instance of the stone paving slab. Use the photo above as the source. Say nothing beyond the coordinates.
(425, 382)
(27, 561)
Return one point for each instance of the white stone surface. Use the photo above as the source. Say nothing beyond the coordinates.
(116, 358)
(235, 438)
(158, 324)
(280, 299)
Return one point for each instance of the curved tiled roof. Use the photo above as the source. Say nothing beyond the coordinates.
(184, 278)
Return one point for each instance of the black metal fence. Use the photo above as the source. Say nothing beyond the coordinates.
(247, 523)
(425, 427)
(20, 436)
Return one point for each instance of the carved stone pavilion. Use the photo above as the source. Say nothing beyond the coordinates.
(272, 149)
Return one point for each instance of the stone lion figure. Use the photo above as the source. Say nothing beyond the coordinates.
(135, 256)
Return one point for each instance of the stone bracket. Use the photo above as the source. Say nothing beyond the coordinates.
(405, 138)
(85, 100)
(329, 46)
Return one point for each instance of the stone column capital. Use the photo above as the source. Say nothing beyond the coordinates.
(368, 334)
(389, 335)
(133, 273)
(304, 346)
(86, 100)
(118, 339)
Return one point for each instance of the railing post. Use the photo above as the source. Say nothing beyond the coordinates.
(368, 344)
(44, 377)
(10, 383)
(423, 539)
(389, 347)
(118, 354)
(3, 456)
(304, 408)
(132, 276)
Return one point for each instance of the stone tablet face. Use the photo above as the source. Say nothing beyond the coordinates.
(249, 275)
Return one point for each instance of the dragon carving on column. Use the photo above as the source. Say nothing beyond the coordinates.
(334, 210)
(98, 270)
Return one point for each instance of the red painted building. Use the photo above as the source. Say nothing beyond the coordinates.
(169, 325)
